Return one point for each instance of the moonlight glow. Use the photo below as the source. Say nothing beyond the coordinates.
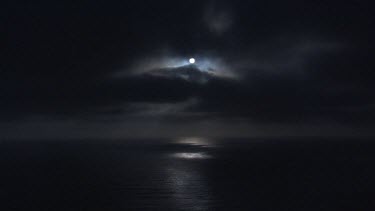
(192, 60)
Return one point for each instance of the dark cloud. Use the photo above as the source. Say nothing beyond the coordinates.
(218, 17)
(261, 62)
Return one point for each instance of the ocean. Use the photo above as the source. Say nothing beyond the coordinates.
(188, 174)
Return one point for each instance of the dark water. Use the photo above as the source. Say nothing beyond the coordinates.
(188, 174)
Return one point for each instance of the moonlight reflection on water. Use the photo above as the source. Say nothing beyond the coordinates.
(186, 176)
(195, 141)
(193, 155)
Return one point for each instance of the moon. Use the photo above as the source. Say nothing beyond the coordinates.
(192, 60)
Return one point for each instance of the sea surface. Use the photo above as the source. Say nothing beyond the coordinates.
(188, 174)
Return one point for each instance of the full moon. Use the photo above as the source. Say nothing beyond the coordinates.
(192, 60)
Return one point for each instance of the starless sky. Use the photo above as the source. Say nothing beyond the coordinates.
(121, 69)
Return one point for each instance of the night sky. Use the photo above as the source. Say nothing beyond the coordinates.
(121, 69)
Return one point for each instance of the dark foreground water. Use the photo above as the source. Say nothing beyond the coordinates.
(188, 174)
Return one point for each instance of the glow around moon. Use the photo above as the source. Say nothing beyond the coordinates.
(214, 66)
